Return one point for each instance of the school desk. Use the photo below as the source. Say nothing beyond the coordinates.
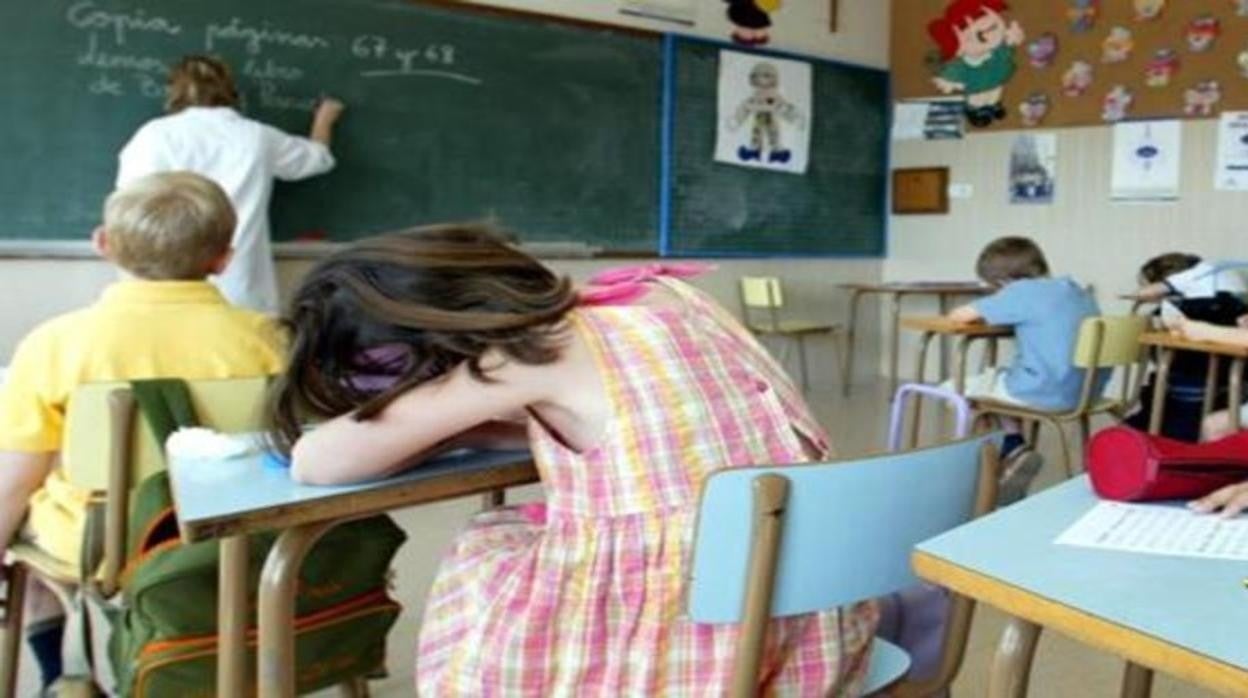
(1169, 343)
(1182, 615)
(230, 499)
(897, 291)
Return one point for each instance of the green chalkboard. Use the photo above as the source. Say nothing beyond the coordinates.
(835, 208)
(550, 129)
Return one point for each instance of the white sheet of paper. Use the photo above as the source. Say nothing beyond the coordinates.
(909, 121)
(1146, 161)
(1158, 530)
(1231, 171)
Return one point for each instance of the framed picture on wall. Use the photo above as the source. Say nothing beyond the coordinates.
(921, 190)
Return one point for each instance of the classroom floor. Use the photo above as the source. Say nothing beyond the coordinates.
(1063, 668)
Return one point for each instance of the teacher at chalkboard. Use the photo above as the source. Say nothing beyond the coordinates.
(204, 133)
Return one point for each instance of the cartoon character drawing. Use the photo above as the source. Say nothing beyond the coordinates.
(1242, 61)
(751, 19)
(1201, 98)
(764, 109)
(1042, 51)
(1148, 9)
(1161, 67)
(1202, 32)
(977, 46)
(1117, 103)
(1082, 15)
(1077, 79)
(1033, 109)
(1117, 47)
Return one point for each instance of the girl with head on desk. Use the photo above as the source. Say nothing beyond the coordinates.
(629, 392)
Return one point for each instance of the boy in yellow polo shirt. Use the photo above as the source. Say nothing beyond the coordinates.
(167, 232)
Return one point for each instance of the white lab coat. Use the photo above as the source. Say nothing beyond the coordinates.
(244, 157)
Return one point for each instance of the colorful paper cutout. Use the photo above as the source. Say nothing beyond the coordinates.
(751, 20)
(1202, 32)
(1082, 15)
(1117, 47)
(977, 44)
(1161, 67)
(1033, 109)
(1242, 61)
(1043, 50)
(1201, 98)
(1077, 79)
(1146, 10)
(1117, 103)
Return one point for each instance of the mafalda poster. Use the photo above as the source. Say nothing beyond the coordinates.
(764, 112)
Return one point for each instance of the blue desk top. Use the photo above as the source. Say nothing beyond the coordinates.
(214, 489)
(1199, 604)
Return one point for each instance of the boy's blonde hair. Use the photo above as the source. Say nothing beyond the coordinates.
(1010, 259)
(169, 226)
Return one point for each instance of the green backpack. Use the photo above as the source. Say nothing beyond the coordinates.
(164, 639)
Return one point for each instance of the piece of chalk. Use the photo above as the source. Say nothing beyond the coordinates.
(272, 459)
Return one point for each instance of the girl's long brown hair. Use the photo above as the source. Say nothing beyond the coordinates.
(444, 294)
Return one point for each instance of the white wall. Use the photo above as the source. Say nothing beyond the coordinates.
(1082, 233)
(800, 25)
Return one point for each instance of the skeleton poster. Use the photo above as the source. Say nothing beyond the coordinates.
(764, 112)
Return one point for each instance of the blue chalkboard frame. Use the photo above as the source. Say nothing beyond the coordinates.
(667, 145)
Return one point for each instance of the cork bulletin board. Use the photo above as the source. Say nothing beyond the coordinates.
(1084, 62)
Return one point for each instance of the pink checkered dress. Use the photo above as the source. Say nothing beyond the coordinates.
(586, 598)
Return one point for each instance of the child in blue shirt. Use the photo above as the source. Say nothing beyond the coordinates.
(1046, 314)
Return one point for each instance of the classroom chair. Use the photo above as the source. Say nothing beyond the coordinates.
(762, 300)
(826, 535)
(1107, 342)
(102, 424)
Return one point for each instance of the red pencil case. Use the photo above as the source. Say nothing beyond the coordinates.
(1130, 465)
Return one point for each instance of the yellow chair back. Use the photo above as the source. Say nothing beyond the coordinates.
(230, 405)
(1119, 340)
(761, 292)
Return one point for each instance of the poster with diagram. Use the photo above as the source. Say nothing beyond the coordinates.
(1033, 168)
(765, 112)
(1232, 165)
(1146, 161)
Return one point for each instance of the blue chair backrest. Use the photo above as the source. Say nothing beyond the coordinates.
(849, 528)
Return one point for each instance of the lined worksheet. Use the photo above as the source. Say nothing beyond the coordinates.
(1159, 530)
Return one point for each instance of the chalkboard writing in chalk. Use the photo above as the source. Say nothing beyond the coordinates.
(550, 129)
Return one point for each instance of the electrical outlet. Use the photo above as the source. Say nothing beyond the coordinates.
(960, 190)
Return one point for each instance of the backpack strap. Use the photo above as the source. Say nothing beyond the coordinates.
(166, 406)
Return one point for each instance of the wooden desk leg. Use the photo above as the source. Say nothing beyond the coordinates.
(232, 679)
(1211, 386)
(896, 345)
(959, 375)
(1011, 665)
(916, 409)
(943, 300)
(990, 356)
(854, 297)
(1137, 681)
(278, 583)
(1159, 390)
(13, 635)
(493, 499)
(1235, 399)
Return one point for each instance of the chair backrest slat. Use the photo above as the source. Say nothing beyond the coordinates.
(1120, 341)
(761, 292)
(849, 528)
(229, 405)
